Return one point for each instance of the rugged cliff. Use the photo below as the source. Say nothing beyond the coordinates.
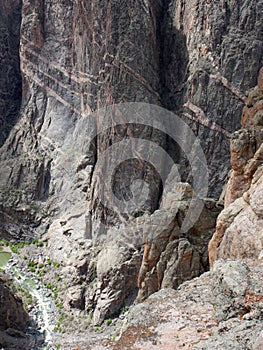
(222, 309)
(196, 58)
(103, 183)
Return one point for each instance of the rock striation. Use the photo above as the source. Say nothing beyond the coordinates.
(213, 49)
(192, 63)
(195, 58)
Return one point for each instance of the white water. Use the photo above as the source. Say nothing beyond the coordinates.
(45, 309)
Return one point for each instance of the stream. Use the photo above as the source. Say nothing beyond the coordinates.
(43, 313)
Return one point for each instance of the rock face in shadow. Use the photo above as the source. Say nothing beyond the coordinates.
(10, 78)
(239, 229)
(223, 42)
(196, 58)
(13, 321)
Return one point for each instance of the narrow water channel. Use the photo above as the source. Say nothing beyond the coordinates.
(44, 309)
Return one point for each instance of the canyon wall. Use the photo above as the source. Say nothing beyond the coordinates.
(194, 58)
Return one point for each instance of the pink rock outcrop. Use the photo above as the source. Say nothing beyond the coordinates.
(239, 229)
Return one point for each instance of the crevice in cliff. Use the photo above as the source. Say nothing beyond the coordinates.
(173, 60)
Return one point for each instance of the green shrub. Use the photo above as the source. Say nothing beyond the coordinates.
(14, 249)
(20, 245)
(4, 242)
(50, 286)
(108, 322)
(32, 264)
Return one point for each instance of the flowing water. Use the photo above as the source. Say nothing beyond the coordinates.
(44, 310)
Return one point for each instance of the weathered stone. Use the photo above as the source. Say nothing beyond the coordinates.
(10, 78)
(194, 58)
(218, 310)
(258, 344)
(224, 220)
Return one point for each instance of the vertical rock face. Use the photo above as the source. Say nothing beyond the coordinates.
(12, 312)
(212, 55)
(196, 58)
(239, 230)
(10, 79)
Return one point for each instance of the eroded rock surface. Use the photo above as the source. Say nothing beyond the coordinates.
(195, 58)
(222, 309)
(218, 46)
(170, 255)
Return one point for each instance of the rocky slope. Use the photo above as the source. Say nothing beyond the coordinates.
(192, 62)
(222, 309)
(195, 58)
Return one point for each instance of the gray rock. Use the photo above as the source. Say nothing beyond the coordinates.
(219, 310)
(196, 59)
